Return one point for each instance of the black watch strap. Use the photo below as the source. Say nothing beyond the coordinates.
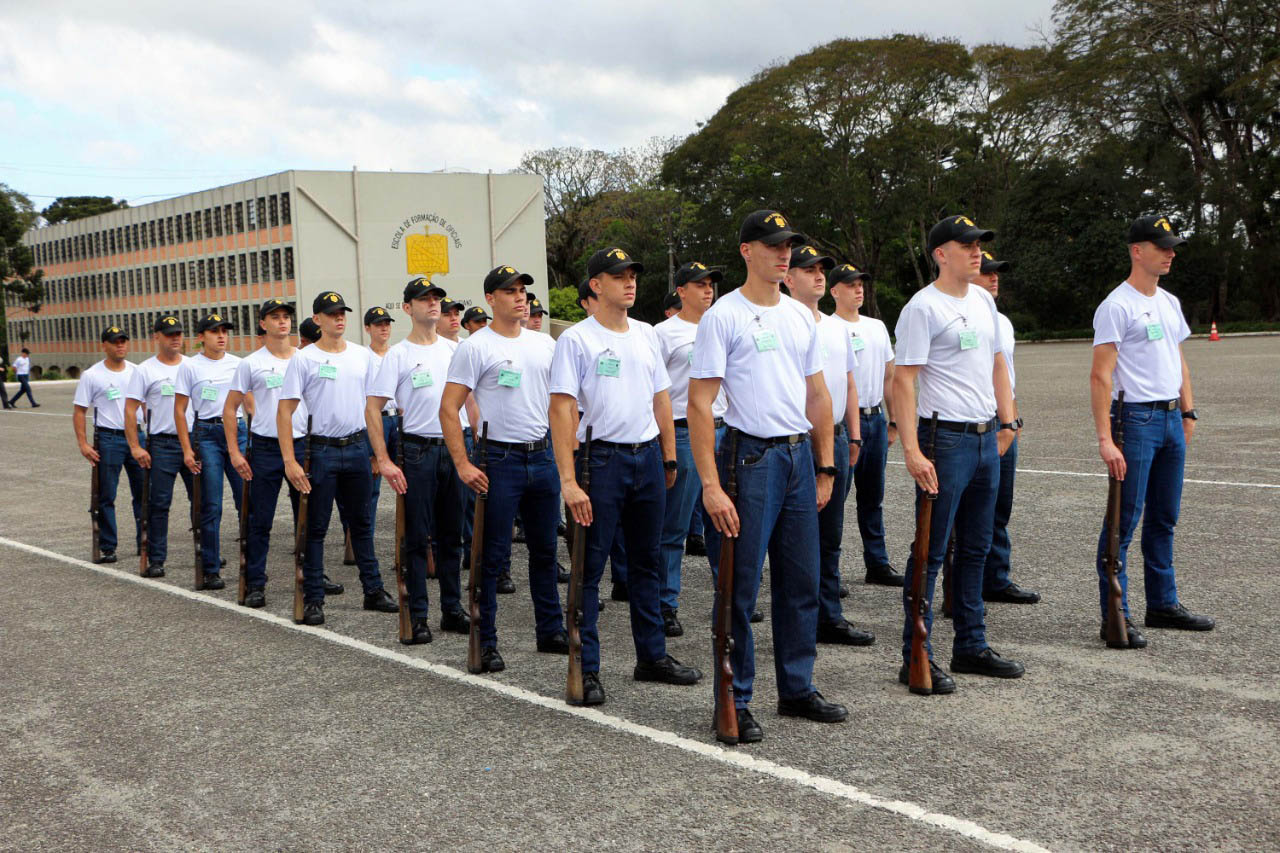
(669, 464)
(829, 470)
(856, 441)
(1190, 414)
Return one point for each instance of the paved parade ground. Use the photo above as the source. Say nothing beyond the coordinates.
(139, 715)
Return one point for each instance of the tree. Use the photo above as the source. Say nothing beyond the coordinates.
(17, 215)
(72, 207)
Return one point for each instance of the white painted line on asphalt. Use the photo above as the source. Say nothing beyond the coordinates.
(1095, 474)
(42, 414)
(732, 757)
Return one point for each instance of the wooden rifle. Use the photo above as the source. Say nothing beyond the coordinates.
(146, 508)
(196, 506)
(402, 591)
(725, 716)
(573, 690)
(242, 590)
(300, 532)
(1117, 631)
(95, 493)
(920, 680)
(476, 571)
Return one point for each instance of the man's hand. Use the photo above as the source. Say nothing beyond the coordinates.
(241, 465)
(141, 456)
(893, 435)
(854, 450)
(671, 477)
(1113, 457)
(922, 471)
(723, 514)
(1188, 428)
(825, 482)
(189, 459)
(297, 476)
(394, 476)
(577, 501)
(473, 478)
(87, 451)
(1004, 440)
(373, 466)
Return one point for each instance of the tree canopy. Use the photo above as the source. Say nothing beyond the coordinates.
(72, 207)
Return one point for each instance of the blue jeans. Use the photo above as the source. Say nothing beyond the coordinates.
(432, 503)
(268, 474)
(968, 466)
(166, 466)
(996, 576)
(24, 381)
(390, 435)
(628, 494)
(778, 510)
(831, 533)
(339, 471)
(210, 444)
(868, 484)
(682, 498)
(1155, 451)
(113, 452)
(525, 481)
(469, 498)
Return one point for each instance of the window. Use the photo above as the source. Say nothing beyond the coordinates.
(208, 223)
(146, 278)
(245, 326)
(226, 219)
(262, 212)
(285, 216)
(288, 263)
(253, 216)
(200, 273)
(231, 270)
(244, 270)
(239, 217)
(168, 229)
(222, 271)
(186, 236)
(217, 221)
(209, 271)
(264, 259)
(181, 276)
(151, 227)
(253, 267)
(273, 206)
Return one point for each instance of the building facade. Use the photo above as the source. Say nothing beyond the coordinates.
(289, 235)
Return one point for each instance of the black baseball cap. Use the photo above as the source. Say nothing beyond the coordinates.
(697, 271)
(1155, 229)
(213, 322)
(612, 261)
(475, 312)
(847, 273)
(420, 286)
(309, 330)
(672, 300)
(769, 227)
(807, 256)
(505, 276)
(535, 307)
(990, 264)
(959, 228)
(329, 302)
(168, 324)
(377, 314)
(111, 334)
(447, 305)
(584, 290)
(276, 304)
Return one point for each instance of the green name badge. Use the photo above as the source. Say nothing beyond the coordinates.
(608, 365)
(421, 379)
(765, 340)
(857, 343)
(113, 394)
(327, 371)
(1155, 332)
(968, 339)
(691, 355)
(166, 389)
(509, 377)
(208, 392)
(274, 380)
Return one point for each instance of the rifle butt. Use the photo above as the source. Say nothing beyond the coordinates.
(1117, 632)
(919, 679)
(726, 713)
(474, 575)
(573, 689)
(242, 587)
(146, 518)
(197, 505)
(299, 548)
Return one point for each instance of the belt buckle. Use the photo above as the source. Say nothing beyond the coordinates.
(794, 439)
(1169, 406)
(982, 427)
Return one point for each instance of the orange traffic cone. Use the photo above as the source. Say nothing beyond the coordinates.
(1213, 331)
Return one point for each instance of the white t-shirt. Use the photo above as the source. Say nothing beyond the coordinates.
(613, 376)
(103, 390)
(1148, 332)
(1006, 345)
(955, 342)
(763, 356)
(22, 365)
(413, 376)
(675, 339)
(870, 341)
(332, 385)
(510, 378)
(207, 382)
(154, 384)
(262, 374)
(390, 407)
(838, 361)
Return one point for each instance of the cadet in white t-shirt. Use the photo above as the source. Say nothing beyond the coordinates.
(870, 341)
(331, 377)
(695, 291)
(610, 365)
(762, 347)
(202, 384)
(22, 370)
(807, 281)
(1138, 332)
(412, 378)
(102, 387)
(153, 385)
(508, 370)
(947, 337)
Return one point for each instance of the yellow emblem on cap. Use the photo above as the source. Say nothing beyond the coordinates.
(697, 266)
(508, 271)
(112, 330)
(617, 253)
(965, 220)
(170, 321)
(277, 302)
(809, 250)
(379, 311)
(776, 219)
(333, 297)
(987, 255)
(1163, 223)
(215, 318)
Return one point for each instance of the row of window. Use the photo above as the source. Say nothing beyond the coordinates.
(87, 331)
(268, 265)
(228, 219)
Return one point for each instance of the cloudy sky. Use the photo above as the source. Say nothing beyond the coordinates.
(149, 98)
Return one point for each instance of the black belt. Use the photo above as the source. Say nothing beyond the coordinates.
(110, 430)
(684, 422)
(389, 414)
(214, 420)
(527, 446)
(871, 410)
(776, 439)
(171, 436)
(629, 448)
(328, 441)
(965, 426)
(426, 441)
(1161, 405)
(257, 436)
(839, 428)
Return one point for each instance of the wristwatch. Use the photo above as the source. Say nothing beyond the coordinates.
(856, 441)
(893, 424)
(1018, 423)
(1190, 414)
(1012, 427)
(829, 470)
(669, 464)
